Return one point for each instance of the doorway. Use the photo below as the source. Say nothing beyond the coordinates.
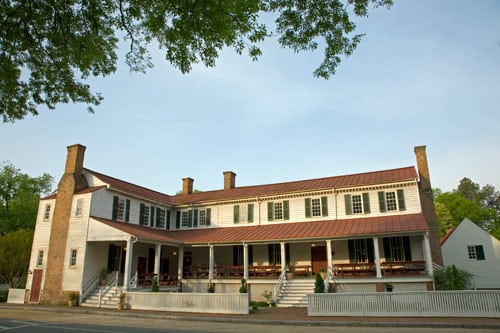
(36, 285)
(318, 259)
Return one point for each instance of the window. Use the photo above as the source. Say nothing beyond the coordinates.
(391, 200)
(203, 217)
(72, 259)
(278, 210)
(121, 209)
(357, 204)
(143, 214)
(79, 208)
(274, 254)
(361, 250)
(475, 252)
(185, 219)
(39, 259)
(160, 218)
(243, 213)
(316, 207)
(46, 213)
(397, 248)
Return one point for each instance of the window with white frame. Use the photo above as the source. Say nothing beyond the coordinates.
(46, 212)
(79, 207)
(72, 258)
(475, 252)
(160, 218)
(279, 210)
(391, 200)
(243, 213)
(315, 207)
(357, 203)
(39, 259)
(121, 209)
(185, 219)
(203, 217)
(144, 215)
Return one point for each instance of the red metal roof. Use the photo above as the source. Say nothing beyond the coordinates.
(328, 183)
(358, 227)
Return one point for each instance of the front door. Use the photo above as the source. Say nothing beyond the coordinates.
(36, 285)
(318, 259)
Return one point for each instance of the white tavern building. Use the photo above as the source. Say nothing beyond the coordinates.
(366, 232)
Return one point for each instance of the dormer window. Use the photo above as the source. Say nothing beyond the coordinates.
(391, 201)
(279, 210)
(316, 207)
(121, 209)
(357, 203)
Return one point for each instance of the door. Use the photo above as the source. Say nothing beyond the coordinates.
(142, 263)
(318, 259)
(36, 285)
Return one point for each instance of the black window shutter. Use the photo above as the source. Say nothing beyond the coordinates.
(208, 218)
(168, 219)
(366, 203)
(348, 204)
(381, 201)
(480, 252)
(307, 203)
(407, 248)
(287, 254)
(236, 214)
(158, 217)
(324, 206)
(235, 255)
(387, 249)
(127, 210)
(178, 220)
(401, 199)
(195, 218)
(115, 208)
(286, 210)
(250, 213)
(350, 247)
(270, 254)
(270, 211)
(370, 250)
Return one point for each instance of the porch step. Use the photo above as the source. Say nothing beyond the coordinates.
(109, 300)
(294, 293)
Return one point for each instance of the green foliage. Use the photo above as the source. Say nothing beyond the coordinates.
(319, 284)
(49, 48)
(453, 278)
(479, 204)
(15, 248)
(154, 284)
(19, 197)
(243, 287)
(4, 295)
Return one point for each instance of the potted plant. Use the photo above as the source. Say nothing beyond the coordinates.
(211, 288)
(389, 287)
(73, 298)
(243, 287)
(122, 301)
(154, 284)
(319, 285)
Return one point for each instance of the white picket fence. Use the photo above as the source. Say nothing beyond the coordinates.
(233, 303)
(470, 303)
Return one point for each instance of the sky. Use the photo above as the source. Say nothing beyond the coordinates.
(427, 72)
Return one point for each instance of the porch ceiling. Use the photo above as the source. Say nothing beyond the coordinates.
(369, 226)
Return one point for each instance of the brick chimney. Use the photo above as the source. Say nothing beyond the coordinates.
(72, 181)
(427, 202)
(187, 185)
(229, 180)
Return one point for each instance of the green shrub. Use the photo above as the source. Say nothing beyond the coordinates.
(453, 278)
(319, 285)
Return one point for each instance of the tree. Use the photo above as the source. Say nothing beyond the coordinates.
(453, 278)
(19, 196)
(15, 250)
(319, 284)
(49, 48)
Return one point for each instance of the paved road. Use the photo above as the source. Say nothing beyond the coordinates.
(28, 321)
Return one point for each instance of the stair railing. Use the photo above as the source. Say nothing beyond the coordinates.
(133, 281)
(91, 285)
(279, 285)
(113, 282)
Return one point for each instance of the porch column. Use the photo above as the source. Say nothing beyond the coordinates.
(245, 261)
(283, 256)
(211, 262)
(427, 254)
(329, 267)
(128, 264)
(180, 263)
(157, 261)
(377, 258)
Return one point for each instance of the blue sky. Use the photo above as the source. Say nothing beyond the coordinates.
(426, 73)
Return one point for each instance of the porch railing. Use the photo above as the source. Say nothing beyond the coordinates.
(464, 303)
(232, 272)
(388, 268)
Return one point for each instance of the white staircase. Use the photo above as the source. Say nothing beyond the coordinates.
(108, 299)
(294, 292)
